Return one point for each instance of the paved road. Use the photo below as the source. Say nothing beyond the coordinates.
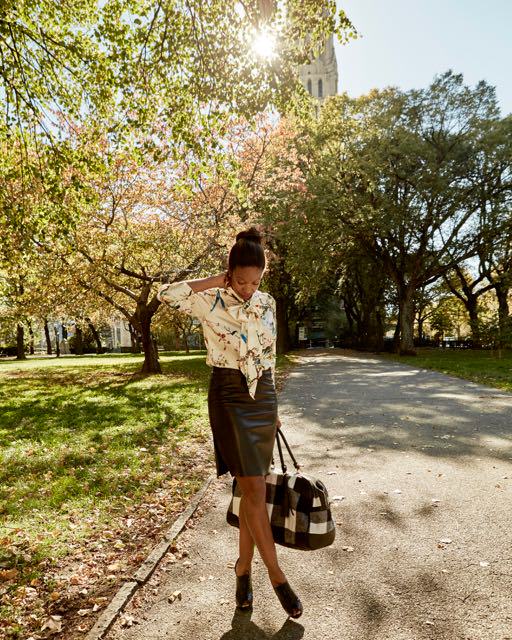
(419, 457)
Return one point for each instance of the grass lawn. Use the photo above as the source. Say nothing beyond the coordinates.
(92, 451)
(477, 365)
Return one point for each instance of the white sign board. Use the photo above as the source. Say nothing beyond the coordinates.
(302, 333)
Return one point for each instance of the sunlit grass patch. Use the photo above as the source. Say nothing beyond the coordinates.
(481, 366)
(80, 437)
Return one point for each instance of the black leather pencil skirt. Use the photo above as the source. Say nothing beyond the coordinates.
(243, 428)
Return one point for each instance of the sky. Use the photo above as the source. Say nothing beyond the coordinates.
(405, 43)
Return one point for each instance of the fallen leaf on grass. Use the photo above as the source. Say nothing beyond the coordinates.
(8, 574)
(53, 624)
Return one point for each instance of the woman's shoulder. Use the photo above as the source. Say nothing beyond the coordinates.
(267, 299)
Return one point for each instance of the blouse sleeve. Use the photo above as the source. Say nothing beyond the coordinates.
(181, 296)
(274, 331)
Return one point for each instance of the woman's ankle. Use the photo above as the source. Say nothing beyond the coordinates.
(276, 576)
(242, 567)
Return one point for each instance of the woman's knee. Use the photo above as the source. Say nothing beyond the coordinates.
(253, 488)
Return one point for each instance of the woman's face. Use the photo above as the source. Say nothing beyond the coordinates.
(246, 280)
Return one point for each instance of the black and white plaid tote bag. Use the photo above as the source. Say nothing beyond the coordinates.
(298, 506)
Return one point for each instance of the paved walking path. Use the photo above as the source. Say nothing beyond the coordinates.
(419, 458)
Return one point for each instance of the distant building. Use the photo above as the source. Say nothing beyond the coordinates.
(320, 77)
(115, 336)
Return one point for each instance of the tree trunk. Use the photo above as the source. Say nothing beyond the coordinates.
(48, 339)
(407, 321)
(472, 308)
(503, 314)
(31, 344)
(151, 363)
(396, 335)
(420, 321)
(96, 336)
(20, 343)
(57, 345)
(371, 328)
(134, 339)
(283, 337)
(379, 331)
(349, 314)
(79, 341)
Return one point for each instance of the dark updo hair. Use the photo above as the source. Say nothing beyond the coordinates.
(248, 250)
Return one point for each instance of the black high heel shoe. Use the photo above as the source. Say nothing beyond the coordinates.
(243, 590)
(289, 599)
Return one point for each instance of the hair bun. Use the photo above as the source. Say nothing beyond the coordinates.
(252, 234)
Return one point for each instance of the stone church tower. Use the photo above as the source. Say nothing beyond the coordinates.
(320, 77)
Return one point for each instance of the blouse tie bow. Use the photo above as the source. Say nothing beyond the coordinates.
(248, 313)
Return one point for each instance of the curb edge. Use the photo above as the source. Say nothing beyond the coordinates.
(144, 572)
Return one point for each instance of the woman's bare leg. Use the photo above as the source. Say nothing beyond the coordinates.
(246, 544)
(258, 523)
(256, 516)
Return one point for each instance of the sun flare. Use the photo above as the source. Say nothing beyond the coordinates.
(263, 44)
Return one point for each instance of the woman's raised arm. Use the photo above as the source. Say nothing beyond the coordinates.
(191, 296)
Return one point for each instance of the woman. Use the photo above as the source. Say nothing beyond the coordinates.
(239, 327)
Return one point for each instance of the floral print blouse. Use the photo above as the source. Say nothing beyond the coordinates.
(239, 334)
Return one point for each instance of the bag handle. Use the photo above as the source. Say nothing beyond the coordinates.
(279, 435)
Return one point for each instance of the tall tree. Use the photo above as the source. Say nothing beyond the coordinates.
(495, 219)
(154, 221)
(399, 173)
